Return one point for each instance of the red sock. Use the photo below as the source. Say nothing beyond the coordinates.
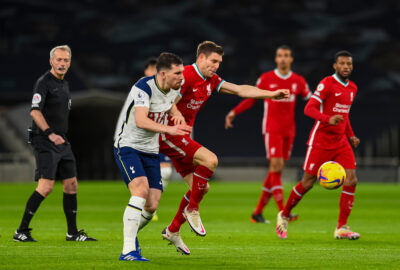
(200, 181)
(264, 197)
(179, 219)
(277, 189)
(346, 204)
(295, 196)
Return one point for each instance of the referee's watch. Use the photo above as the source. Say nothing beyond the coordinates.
(48, 131)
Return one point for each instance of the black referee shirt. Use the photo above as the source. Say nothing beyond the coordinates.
(52, 97)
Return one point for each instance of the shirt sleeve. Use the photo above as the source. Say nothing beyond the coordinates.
(39, 95)
(322, 91)
(312, 110)
(244, 105)
(349, 130)
(305, 89)
(218, 81)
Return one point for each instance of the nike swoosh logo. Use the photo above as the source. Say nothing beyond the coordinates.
(337, 94)
(195, 89)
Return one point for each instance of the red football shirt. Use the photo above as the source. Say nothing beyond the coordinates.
(334, 97)
(278, 114)
(195, 91)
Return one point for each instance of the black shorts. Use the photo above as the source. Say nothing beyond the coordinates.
(53, 161)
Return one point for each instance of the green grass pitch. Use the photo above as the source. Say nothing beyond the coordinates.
(232, 242)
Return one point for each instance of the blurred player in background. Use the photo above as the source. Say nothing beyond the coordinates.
(165, 163)
(195, 163)
(329, 140)
(136, 147)
(278, 125)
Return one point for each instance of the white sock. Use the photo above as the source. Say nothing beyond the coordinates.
(145, 218)
(131, 219)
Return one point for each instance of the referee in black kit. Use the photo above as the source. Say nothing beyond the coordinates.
(51, 104)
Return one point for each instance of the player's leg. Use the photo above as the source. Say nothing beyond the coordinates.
(206, 162)
(314, 159)
(139, 189)
(67, 172)
(347, 160)
(130, 164)
(44, 188)
(166, 169)
(295, 196)
(275, 171)
(179, 219)
(154, 178)
(45, 173)
(171, 232)
(266, 193)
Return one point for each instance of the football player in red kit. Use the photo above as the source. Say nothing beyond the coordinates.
(278, 126)
(195, 163)
(329, 140)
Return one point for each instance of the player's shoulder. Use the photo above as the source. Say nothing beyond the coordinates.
(267, 74)
(143, 84)
(297, 76)
(352, 84)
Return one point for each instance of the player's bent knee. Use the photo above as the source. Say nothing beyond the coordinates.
(212, 162)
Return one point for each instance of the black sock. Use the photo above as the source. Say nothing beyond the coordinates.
(31, 206)
(70, 208)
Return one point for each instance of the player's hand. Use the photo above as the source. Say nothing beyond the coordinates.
(354, 141)
(229, 119)
(281, 94)
(56, 139)
(179, 130)
(178, 120)
(336, 119)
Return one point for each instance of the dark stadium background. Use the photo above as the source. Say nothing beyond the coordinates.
(111, 41)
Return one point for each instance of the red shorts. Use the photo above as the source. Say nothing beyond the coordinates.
(315, 157)
(278, 146)
(181, 150)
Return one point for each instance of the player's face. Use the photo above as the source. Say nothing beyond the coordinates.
(209, 65)
(60, 63)
(150, 70)
(283, 58)
(174, 77)
(343, 66)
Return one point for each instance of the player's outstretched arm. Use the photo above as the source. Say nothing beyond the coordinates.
(244, 105)
(248, 91)
(144, 122)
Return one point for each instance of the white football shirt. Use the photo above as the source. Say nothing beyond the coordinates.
(145, 93)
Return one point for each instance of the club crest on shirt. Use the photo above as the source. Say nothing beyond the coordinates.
(208, 89)
(294, 87)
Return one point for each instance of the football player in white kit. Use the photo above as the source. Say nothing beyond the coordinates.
(150, 100)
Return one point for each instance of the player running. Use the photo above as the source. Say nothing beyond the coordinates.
(195, 163)
(278, 126)
(136, 147)
(330, 107)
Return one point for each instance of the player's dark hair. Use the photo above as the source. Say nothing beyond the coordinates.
(208, 47)
(285, 47)
(152, 61)
(166, 60)
(342, 53)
